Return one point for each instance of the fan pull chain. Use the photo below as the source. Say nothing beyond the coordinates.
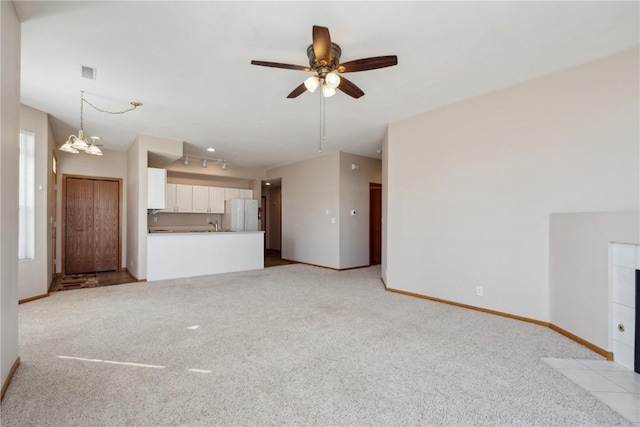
(322, 136)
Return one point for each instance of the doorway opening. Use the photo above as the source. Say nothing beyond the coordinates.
(375, 224)
(272, 220)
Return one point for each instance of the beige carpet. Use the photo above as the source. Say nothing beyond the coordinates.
(289, 345)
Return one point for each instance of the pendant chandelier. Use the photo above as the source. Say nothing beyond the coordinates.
(88, 145)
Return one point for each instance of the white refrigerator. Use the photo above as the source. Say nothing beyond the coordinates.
(240, 215)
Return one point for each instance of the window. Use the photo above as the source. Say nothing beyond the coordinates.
(26, 202)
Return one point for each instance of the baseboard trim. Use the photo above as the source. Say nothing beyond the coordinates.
(602, 352)
(12, 371)
(136, 279)
(324, 266)
(470, 307)
(22, 301)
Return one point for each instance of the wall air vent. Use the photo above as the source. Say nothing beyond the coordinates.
(88, 72)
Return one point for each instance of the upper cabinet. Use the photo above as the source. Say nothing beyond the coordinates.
(179, 198)
(208, 199)
(231, 193)
(216, 200)
(156, 193)
(245, 194)
(200, 199)
(184, 198)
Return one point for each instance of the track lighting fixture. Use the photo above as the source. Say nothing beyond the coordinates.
(204, 161)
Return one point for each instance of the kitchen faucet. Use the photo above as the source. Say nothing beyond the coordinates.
(215, 224)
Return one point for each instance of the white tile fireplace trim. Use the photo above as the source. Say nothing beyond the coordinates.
(625, 259)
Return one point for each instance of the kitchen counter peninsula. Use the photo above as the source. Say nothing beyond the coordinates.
(173, 254)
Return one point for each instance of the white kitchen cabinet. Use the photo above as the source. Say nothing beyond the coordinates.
(231, 193)
(184, 198)
(201, 199)
(179, 198)
(170, 197)
(245, 194)
(194, 199)
(156, 188)
(216, 200)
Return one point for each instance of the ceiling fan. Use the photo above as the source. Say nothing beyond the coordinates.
(324, 61)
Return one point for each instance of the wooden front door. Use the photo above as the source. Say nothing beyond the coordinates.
(92, 224)
(375, 224)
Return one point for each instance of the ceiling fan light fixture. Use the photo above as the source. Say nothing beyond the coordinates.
(328, 91)
(312, 83)
(332, 80)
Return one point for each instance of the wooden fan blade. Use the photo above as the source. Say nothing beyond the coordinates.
(297, 91)
(349, 88)
(279, 65)
(322, 45)
(368, 64)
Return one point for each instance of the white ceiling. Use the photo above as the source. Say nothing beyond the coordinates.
(189, 64)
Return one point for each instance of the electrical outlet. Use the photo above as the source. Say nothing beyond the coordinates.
(333, 220)
(479, 291)
(155, 219)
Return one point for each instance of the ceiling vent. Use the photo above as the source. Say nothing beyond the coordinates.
(88, 72)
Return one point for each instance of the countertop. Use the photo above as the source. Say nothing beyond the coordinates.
(190, 229)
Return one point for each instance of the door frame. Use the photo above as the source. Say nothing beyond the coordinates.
(63, 220)
(54, 215)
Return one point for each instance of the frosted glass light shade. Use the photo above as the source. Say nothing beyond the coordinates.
(328, 91)
(312, 83)
(332, 80)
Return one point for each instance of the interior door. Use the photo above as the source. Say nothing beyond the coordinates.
(79, 247)
(106, 225)
(92, 225)
(375, 224)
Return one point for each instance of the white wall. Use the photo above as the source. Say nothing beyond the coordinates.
(136, 215)
(471, 185)
(9, 137)
(113, 164)
(579, 270)
(354, 195)
(34, 274)
(310, 198)
(385, 198)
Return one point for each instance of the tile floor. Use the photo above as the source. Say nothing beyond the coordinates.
(610, 382)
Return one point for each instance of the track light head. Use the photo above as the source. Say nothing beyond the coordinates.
(186, 161)
(204, 163)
